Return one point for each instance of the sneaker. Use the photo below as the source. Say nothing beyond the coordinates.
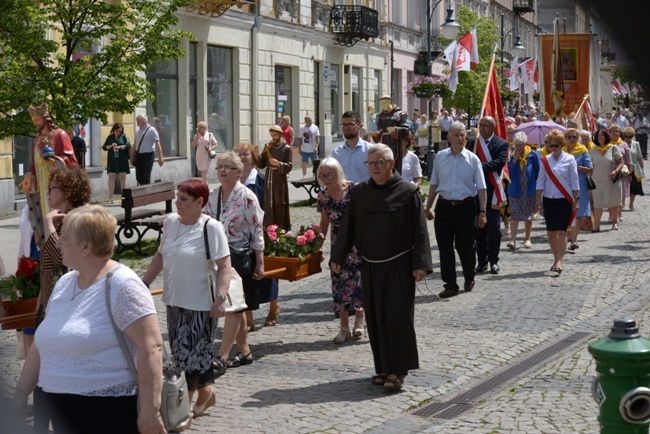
(448, 293)
(527, 244)
(512, 245)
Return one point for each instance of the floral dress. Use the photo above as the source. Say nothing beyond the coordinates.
(347, 291)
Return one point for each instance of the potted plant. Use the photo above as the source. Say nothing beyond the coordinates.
(425, 87)
(19, 293)
(292, 256)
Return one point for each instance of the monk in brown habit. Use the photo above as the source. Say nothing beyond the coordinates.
(276, 158)
(385, 221)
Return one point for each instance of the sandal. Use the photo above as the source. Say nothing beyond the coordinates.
(379, 379)
(359, 327)
(219, 365)
(344, 335)
(272, 318)
(393, 382)
(240, 360)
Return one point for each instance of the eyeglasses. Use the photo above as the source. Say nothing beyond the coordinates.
(53, 187)
(326, 175)
(553, 146)
(628, 136)
(348, 125)
(615, 132)
(378, 163)
(571, 137)
(225, 168)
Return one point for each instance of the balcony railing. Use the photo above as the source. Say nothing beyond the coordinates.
(353, 23)
(215, 8)
(287, 10)
(523, 6)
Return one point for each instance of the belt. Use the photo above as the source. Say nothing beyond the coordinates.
(455, 202)
(381, 261)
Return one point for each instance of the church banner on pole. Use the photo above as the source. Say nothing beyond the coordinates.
(575, 59)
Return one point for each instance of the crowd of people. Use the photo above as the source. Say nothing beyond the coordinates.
(369, 204)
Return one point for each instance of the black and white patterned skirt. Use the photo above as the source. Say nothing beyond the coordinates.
(190, 340)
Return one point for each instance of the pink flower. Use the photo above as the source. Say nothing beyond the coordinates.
(272, 228)
(301, 240)
(309, 235)
(315, 228)
(272, 236)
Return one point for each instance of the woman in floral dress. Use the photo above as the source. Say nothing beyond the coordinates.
(346, 286)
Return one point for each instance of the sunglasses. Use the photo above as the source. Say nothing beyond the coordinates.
(571, 137)
(553, 146)
(628, 136)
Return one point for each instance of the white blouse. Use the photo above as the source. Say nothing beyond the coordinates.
(79, 351)
(565, 169)
(185, 267)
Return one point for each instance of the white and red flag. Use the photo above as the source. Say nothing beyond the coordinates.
(528, 70)
(616, 88)
(514, 74)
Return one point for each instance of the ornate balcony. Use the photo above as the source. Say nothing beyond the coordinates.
(523, 6)
(350, 24)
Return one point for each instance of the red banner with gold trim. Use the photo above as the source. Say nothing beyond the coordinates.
(574, 54)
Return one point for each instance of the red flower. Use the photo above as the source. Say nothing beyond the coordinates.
(26, 267)
(272, 236)
(310, 235)
(301, 240)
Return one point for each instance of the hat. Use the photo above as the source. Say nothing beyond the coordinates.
(276, 128)
(386, 97)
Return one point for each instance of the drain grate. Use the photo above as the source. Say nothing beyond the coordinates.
(462, 402)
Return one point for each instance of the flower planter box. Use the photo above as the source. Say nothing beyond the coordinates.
(20, 307)
(276, 267)
(423, 94)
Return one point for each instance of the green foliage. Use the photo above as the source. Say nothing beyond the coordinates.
(471, 84)
(626, 73)
(39, 42)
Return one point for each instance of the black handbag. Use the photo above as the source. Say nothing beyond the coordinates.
(591, 185)
(240, 259)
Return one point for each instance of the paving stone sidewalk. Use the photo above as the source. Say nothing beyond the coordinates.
(301, 382)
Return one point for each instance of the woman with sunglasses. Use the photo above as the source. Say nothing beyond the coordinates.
(585, 168)
(624, 145)
(558, 182)
(347, 292)
(637, 173)
(608, 162)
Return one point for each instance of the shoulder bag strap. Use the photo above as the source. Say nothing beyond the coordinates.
(206, 242)
(118, 332)
(142, 138)
(219, 205)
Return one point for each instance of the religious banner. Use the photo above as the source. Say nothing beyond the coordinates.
(574, 58)
(528, 74)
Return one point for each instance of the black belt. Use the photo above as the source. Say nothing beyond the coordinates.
(456, 202)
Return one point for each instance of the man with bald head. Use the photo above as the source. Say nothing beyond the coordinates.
(488, 238)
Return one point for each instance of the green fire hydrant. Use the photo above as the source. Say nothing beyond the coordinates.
(622, 388)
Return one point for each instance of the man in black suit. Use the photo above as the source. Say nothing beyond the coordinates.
(488, 238)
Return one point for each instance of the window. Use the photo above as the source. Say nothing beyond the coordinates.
(162, 110)
(283, 95)
(335, 108)
(397, 12)
(193, 115)
(376, 88)
(220, 102)
(356, 90)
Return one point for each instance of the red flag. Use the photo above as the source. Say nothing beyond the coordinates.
(492, 106)
(591, 120)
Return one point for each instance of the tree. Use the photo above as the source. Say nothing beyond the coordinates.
(84, 57)
(471, 84)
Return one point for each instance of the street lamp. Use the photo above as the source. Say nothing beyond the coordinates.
(449, 30)
(517, 48)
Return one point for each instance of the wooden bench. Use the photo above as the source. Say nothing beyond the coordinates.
(311, 185)
(134, 223)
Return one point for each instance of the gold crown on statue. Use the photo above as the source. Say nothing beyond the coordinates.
(41, 110)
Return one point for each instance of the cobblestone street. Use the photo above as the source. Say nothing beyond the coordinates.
(302, 382)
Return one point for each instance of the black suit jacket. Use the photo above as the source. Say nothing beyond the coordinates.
(498, 148)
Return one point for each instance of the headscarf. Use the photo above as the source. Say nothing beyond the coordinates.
(524, 159)
(577, 150)
(602, 149)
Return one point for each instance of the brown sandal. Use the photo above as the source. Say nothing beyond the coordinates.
(393, 382)
(272, 318)
(379, 379)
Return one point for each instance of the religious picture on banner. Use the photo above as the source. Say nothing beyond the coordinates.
(569, 58)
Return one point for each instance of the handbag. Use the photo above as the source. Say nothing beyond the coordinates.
(591, 185)
(235, 301)
(240, 259)
(175, 403)
(134, 151)
(211, 153)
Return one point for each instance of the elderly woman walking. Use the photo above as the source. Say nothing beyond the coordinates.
(523, 168)
(205, 143)
(558, 183)
(608, 163)
(585, 169)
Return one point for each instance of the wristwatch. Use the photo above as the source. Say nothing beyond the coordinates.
(221, 296)
(482, 211)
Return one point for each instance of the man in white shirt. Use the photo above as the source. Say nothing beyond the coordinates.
(352, 154)
(458, 177)
(642, 127)
(146, 141)
(444, 122)
(620, 119)
(309, 144)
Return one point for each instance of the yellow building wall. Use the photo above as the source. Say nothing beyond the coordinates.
(6, 159)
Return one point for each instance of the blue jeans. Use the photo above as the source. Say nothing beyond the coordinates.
(307, 155)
